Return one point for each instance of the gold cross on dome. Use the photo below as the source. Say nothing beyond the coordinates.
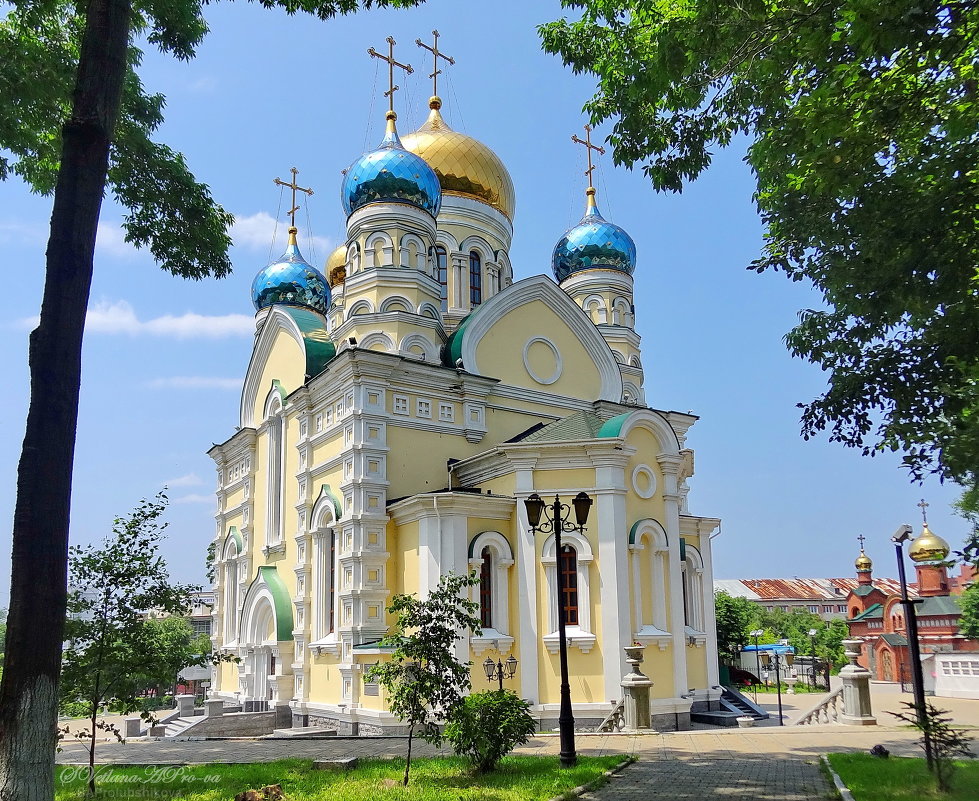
(861, 539)
(589, 147)
(389, 58)
(436, 55)
(295, 188)
(924, 514)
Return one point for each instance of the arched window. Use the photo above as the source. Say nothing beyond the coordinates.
(568, 565)
(649, 549)
(486, 589)
(275, 459)
(442, 275)
(230, 577)
(475, 279)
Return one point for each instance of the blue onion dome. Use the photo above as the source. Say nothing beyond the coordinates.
(290, 280)
(391, 174)
(594, 243)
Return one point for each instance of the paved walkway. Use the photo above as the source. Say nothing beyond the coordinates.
(769, 763)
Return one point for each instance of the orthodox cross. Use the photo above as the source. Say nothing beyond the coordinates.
(436, 55)
(924, 514)
(861, 538)
(295, 188)
(389, 58)
(589, 147)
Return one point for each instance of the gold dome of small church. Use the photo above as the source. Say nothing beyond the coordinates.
(336, 266)
(863, 562)
(464, 166)
(928, 547)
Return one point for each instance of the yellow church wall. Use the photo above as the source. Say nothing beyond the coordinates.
(323, 680)
(585, 675)
(286, 364)
(501, 354)
(697, 667)
(571, 478)
(228, 672)
(503, 485)
(657, 663)
(416, 461)
(405, 580)
(233, 499)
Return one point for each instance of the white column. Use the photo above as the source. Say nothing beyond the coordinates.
(429, 555)
(613, 575)
(528, 635)
(709, 618)
(670, 465)
(636, 556)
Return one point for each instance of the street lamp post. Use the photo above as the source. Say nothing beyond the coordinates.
(500, 670)
(775, 658)
(756, 634)
(558, 521)
(812, 667)
(902, 535)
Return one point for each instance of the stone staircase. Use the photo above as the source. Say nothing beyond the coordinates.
(734, 701)
(176, 727)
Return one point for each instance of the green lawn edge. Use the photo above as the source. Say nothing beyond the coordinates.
(519, 778)
(871, 778)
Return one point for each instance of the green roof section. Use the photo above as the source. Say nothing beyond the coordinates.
(938, 605)
(327, 491)
(280, 600)
(320, 351)
(870, 613)
(894, 639)
(613, 427)
(453, 345)
(233, 534)
(578, 426)
(863, 590)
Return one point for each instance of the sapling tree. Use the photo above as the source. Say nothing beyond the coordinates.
(424, 678)
(939, 739)
(112, 647)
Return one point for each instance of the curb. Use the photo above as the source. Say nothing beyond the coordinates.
(594, 784)
(841, 788)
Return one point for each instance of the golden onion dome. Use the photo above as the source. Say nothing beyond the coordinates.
(863, 563)
(336, 266)
(929, 547)
(464, 166)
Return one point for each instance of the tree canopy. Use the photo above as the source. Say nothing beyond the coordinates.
(863, 129)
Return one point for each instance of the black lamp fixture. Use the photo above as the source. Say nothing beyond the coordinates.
(500, 670)
(558, 521)
(774, 658)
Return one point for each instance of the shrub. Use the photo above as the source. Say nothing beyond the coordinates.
(487, 726)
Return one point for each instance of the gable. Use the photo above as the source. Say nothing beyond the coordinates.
(291, 347)
(534, 336)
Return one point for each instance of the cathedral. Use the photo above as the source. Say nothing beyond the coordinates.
(398, 408)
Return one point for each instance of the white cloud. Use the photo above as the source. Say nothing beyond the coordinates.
(205, 85)
(192, 498)
(119, 317)
(111, 239)
(22, 233)
(255, 232)
(194, 382)
(188, 480)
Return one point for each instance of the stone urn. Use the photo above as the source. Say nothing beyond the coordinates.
(790, 682)
(634, 654)
(636, 690)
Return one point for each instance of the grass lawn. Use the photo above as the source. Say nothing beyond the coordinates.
(519, 778)
(902, 779)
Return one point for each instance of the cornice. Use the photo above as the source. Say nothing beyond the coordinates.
(493, 507)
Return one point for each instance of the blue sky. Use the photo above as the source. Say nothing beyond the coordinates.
(164, 358)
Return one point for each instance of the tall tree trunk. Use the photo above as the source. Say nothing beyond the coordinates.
(35, 623)
(411, 734)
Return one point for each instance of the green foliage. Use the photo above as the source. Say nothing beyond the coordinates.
(937, 733)
(863, 121)
(424, 679)
(113, 652)
(487, 726)
(734, 619)
(969, 622)
(446, 778)
(168, 210)
(870, 778)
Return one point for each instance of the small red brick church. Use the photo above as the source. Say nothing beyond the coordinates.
(878, 617)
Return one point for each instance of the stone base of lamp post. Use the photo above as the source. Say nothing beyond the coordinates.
(857, 710)
(636, 688)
